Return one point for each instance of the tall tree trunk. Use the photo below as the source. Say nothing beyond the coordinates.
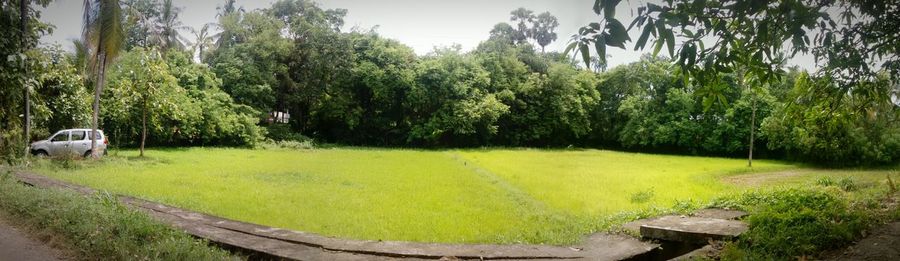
(23, 12)
(752, 126)
(143, 124)
(98, 87)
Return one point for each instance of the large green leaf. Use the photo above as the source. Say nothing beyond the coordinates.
(585, 54)
(642, 40)
(670, 41)
(659, 43)
(600, 46)
(617, 34)
(569, 48)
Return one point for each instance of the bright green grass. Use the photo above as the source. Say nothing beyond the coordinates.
(488, 196)
(595, 182)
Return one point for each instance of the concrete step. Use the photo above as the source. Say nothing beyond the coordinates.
(697, 230)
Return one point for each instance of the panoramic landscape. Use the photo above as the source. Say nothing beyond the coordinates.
(449, 130)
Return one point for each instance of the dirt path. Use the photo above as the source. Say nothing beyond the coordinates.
(16, 244)
(882, 244)
(756, 179)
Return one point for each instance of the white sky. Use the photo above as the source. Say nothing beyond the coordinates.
(421, 24)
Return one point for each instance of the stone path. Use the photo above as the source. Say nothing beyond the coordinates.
(268, 242)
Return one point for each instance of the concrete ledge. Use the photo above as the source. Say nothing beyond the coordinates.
(296, 245)
(692, 229)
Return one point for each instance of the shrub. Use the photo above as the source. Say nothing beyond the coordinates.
(796, 222)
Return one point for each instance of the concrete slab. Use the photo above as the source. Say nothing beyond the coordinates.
(692, 229)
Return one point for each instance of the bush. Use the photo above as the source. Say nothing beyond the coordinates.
(288, 144)
(99, 227)
(283, 132)
(796, 222)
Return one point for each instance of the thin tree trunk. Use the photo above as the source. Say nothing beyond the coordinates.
(143, 125)
(23, 12)
(98, 86)
(752, 127)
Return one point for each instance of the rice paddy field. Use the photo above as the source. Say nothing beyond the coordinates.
(455, 196)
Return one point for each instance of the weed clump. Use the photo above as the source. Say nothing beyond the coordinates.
(642, 196)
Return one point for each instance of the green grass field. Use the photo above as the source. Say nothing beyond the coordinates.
(487, 196)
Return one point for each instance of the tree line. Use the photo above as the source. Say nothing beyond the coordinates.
(358, 88)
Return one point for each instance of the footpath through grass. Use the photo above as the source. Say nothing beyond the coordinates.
(484, 196)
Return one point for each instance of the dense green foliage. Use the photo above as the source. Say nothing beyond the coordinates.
(99, 227)
(182, 100)
(858, 128)
(60, 99)
(15, 78)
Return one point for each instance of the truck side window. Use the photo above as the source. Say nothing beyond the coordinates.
(98, 136)
(78, 135)
(62, 136)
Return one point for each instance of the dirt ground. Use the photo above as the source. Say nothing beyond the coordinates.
(755, 179)
(17, 244)
(882, 244)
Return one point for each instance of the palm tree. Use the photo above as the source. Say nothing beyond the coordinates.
(204, 40)
(544, 30)
(102, 34)
(228, 12)
(169, 26)
(23, 12)
(523, 17)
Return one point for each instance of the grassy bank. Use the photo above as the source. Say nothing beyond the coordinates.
(99, 227)
(458, 196)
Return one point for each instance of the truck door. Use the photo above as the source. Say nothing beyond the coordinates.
(59, 144)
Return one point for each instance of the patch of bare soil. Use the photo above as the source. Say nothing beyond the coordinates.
(882, 244)
(755, 179)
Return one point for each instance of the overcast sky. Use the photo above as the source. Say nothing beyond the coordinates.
(421, 24)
